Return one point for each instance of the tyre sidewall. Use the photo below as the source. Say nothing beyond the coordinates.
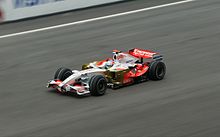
(157, 70)
(98, 85)
(62, 73)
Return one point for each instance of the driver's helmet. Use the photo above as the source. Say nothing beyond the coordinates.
(116, 55)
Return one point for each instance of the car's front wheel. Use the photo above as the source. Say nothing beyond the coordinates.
(97, 85)
(62, 73)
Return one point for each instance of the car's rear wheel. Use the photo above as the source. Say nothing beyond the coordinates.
(157, 70)
(97, 85)
(63, 73)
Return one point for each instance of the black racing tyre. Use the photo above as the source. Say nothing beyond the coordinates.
(157, 70)
(97, 85)
(63, 73)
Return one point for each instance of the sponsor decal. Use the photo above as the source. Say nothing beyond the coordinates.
(129, 61)
(30, 3)
(143, 53)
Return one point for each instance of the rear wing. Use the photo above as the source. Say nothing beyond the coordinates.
(147, 54)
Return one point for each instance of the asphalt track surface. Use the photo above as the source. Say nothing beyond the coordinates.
(185, 103)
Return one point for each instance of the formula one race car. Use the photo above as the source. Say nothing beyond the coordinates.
(124, 68)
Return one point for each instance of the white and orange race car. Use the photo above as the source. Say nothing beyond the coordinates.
(124, 68)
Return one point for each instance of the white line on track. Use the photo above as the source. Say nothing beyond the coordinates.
(95, 19)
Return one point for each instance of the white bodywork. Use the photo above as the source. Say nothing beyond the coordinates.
(83, 75)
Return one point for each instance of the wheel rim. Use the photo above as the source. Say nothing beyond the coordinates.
(101, 86)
